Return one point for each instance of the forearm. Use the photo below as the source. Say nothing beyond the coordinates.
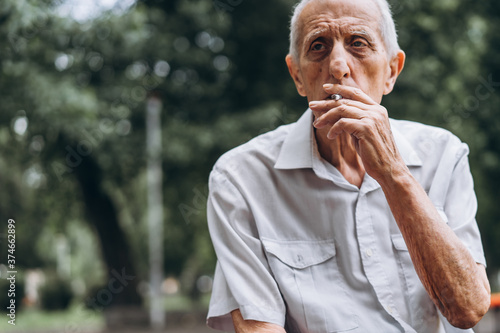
(457, 285)
(252, 326)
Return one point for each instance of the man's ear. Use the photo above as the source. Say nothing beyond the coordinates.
(396, 66)
(296, 75)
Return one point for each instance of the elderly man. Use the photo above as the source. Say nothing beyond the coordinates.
(346, 220)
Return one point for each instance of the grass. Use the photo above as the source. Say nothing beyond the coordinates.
(182, 303)
(79, 319)
(76, 318)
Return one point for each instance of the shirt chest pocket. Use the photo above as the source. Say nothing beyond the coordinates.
(309, 280)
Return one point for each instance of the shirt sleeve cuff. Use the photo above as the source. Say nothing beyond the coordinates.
(219, 314)
(219, 317)
(478, 256)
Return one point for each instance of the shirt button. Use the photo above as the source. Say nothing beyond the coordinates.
(369, 252)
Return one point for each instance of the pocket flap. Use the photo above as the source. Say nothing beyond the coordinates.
(399, 242)
(300, 254)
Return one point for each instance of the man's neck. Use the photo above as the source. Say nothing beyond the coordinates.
(341, 153)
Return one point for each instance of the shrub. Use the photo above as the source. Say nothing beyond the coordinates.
(56, 294)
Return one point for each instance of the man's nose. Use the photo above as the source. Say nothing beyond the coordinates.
(339, 68)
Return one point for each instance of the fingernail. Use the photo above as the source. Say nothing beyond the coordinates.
(313, 104)
(328, 86)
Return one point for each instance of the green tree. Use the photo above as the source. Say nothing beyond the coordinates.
(218, 68)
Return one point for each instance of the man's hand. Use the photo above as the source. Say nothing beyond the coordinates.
(368, 124)
(455, 282)
(251, 326)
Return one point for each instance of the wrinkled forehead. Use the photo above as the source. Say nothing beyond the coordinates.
(342, 14)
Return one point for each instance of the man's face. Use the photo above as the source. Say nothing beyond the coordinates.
(340, 43)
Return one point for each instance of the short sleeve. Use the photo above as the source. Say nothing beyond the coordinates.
(242, 277)
(222, 303)
(460, 204)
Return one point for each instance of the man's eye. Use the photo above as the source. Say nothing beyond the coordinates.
(317, 47)
(358, 43)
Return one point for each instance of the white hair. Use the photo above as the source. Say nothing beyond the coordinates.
(386, 26)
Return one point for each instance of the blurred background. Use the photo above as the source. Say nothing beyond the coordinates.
(112, 114)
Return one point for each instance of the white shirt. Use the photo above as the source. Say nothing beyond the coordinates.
(301, 247)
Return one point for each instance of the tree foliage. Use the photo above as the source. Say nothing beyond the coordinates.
(218, 67)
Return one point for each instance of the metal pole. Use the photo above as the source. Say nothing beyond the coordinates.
(155, 210)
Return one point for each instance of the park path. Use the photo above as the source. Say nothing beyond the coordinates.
(489, 324)
(191, 329)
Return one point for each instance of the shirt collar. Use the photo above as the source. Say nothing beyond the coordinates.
(298, 148)
(406, 150)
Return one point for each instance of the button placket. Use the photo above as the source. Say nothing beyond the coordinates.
(370, 260)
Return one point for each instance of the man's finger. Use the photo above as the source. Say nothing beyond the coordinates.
(355, 94)
(327, 105)
(350, 126)
(337, 113)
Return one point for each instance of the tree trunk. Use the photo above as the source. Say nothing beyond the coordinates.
(102, 215)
